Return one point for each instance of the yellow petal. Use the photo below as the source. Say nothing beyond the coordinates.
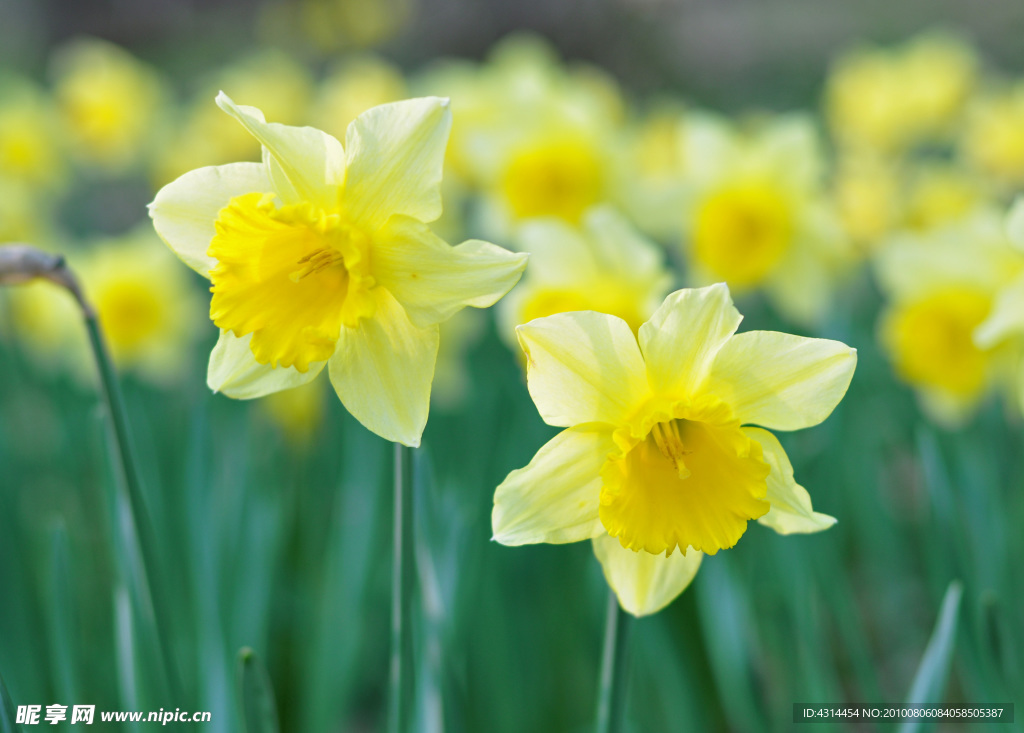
(1006, 317)
(1015, 223)
(382, 371)
(791, 510)
(185, 210)
(235, 372)
(304, 163)
(395, 156)
(645, 583)
(433, 280)
(555, 497)
(583, 367)
(683, 336)
(780, 381)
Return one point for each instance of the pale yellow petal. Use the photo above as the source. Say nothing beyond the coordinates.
(383, 369)
(583, 367)
(780, 381)
(1015, 223)
(645, 583)
(184, 211)
(304, 164)
(1006, 318)
(235, 372)
(555, 497)
(433, 280)
(683, 336)
(791, 510)
(395, 158)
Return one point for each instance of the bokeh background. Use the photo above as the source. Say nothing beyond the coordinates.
(272, 517)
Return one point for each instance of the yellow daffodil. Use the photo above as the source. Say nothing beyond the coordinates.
(659, 452)
(940, 194)
(146, 305)
(993, 137)
(759, 217)
(656, 189)
(941, 287)
(869, 198)
(604, 266)
(544, 140)
(110, 102)
(322, 254)
(1003, 329)
(30, 153)
(888, 100)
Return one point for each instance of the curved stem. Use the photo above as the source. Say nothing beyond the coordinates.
(611, 698)
(21, 263)
(399, 684)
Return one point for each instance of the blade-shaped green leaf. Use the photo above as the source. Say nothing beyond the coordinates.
(258, 709)
(930, 680)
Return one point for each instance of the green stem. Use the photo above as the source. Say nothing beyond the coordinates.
(611, 698)
(20, 263)
(150, 588)
(399, 685)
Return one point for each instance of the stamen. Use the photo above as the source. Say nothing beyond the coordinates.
(315, 262)
(670, 443)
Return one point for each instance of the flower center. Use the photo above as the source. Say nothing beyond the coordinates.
(687, 484)
(291, 276)
(742, 233)
(932, 341)
(561, 179)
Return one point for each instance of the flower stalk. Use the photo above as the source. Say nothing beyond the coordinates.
(615, 661)
(21, 263)
(402, 579)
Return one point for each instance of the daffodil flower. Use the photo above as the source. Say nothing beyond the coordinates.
(952, 298)
(660, 452)
(321, 256)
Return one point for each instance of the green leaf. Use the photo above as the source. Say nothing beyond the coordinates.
(259, 713)
(930, 680)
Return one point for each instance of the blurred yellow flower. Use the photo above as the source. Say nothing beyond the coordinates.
(939, 194)
(759, 217)
(869, 198)
(323, 254)
(658, 454)
(941, 286)
(30, 153)
(888, 100)
(539, 139)
(146, 305)
(655, 190)
(110, 102)
(993, 136)
(269, 80)
(603, 266)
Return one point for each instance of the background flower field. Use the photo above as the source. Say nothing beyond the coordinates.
(880, 151)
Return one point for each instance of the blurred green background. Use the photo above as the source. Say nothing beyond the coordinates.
(280, 540)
